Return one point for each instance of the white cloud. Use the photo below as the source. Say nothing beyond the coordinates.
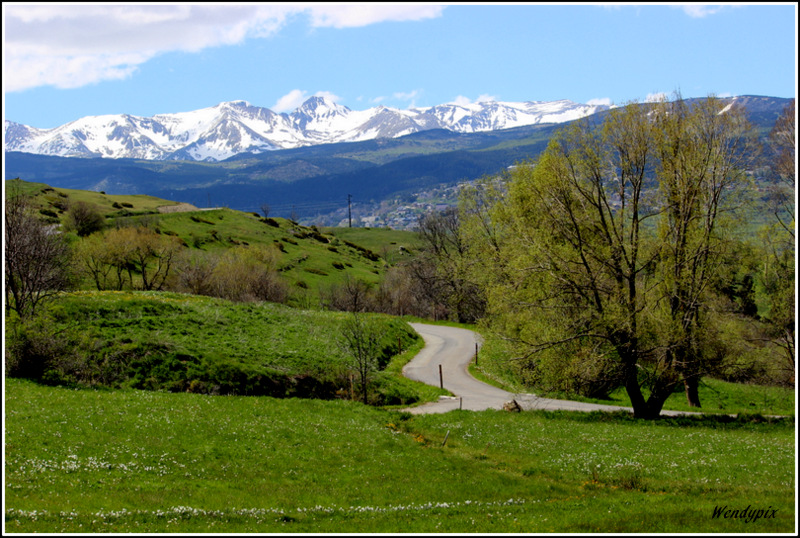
(290, 101)
(463, 101)
(295, 98)
(68, 46)
(352, 15)
(600, 101)
(406, 96)
(328, 96)
(698, 11)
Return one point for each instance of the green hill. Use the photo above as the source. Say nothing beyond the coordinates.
(187, 343)
(311, 259)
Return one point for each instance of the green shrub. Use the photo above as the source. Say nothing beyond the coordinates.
(199, 220)
(84, 219)
(48, 213)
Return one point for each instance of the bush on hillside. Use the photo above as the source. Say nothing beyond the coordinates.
(84, 219)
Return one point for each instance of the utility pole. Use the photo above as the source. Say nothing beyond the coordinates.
(349, 214)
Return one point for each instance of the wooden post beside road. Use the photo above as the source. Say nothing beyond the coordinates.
(441, 381)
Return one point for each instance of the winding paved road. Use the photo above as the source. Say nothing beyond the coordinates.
(454, 349)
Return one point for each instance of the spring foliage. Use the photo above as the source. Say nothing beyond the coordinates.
(601, 258)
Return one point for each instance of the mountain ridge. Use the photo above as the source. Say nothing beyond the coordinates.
(235, 127)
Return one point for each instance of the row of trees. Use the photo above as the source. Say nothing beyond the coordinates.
(614, 258)
(41, 260)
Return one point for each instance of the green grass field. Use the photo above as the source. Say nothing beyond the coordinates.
(136, 461)
(181, 458)
(391, 245)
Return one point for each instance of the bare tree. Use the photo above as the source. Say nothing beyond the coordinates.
(153, 257)
(37, 257)
(441, 266)
(265, 210)
(249, 274)
(351, 295)
(361, 341)
(196, 272)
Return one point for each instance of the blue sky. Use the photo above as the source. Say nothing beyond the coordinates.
(62, 62)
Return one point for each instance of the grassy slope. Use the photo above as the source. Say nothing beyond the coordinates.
(383, 241)
(310, 260)
(183, 342)
(46, 197)
(135, 461)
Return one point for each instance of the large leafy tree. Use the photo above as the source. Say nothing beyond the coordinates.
(701, 158)
(600, 254)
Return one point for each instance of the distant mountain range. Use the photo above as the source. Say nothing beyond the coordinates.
(316, 179)
(232, 128)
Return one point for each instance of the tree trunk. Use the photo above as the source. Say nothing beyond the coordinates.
(691, 385)
(640, 407)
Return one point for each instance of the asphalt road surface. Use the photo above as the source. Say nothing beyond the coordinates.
(453, 349)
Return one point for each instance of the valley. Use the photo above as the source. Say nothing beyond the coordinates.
(198, 404)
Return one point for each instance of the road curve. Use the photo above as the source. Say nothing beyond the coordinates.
(454, 349)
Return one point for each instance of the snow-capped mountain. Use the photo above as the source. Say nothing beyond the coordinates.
(230, 128)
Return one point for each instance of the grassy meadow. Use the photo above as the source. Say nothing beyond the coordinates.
(57, 200)
(83, 460)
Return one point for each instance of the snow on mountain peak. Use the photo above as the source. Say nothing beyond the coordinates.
(233, 127)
